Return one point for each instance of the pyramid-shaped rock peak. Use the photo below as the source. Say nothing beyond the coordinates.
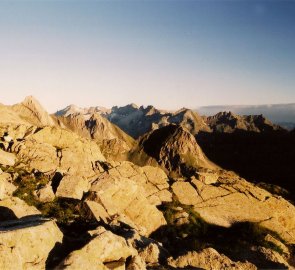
(31, 101)
(175, 149)
(33, 112)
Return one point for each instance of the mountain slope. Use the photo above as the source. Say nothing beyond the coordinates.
(138, 121)
(172, 147)
(31, 111)
(73, 109)
(112, 140)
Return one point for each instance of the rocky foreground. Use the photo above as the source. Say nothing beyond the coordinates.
(76, 196)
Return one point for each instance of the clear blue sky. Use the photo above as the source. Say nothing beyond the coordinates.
(167, 53)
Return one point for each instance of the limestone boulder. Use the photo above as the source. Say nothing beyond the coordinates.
(94, 210)
(233, 200)
(185, 193)
(6, 186)
(27, 242)
(120, 195)
(150, 254)
(160, 197)
(149, 250)
(18, 131)
(38, 155)
(236, 200)
(207, 176)
(7, 159)
(103, 251)
(136, 263)
(52, 148)
(14, 208)
(153, 180)
(156, 176)
(72, 187)
(208, 258)
(45, 194)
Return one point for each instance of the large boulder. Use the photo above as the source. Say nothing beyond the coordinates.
(6, 186)
(153, 180)
(150, 254)
(96, 211)
(7, 159)
(45, 194)
(27, 242)
(136, 263)
(120, 195)
(14, 208)
(52, 148)
(72, 187)
(104, 250)
(185, 193)
(37, 155)
(233, 200)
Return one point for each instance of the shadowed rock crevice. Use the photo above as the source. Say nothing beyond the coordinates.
(71, 242)
(6, 214)
(56, 181)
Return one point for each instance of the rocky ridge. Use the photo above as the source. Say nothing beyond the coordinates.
(136, 121)
(229, 122)
(113, 142)
(174, 148)
(91, 211)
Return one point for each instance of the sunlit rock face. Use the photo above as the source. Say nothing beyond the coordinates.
(174, 149)
(77, 192)
(27, 242)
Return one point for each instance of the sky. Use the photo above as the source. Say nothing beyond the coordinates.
(171, 54)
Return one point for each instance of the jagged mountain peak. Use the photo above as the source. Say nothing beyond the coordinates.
(229, 122)
(33, 112)
(125, 109)
(74, 109)
(182, 110)
(225, 114)
(133, 105)
(70, 109)
(32, 103)
(175, 149)
(30, 100)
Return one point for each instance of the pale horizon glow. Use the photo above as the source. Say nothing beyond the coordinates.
(169, 54)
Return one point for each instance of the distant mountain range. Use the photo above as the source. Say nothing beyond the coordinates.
(137, 121)
(282, 114)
